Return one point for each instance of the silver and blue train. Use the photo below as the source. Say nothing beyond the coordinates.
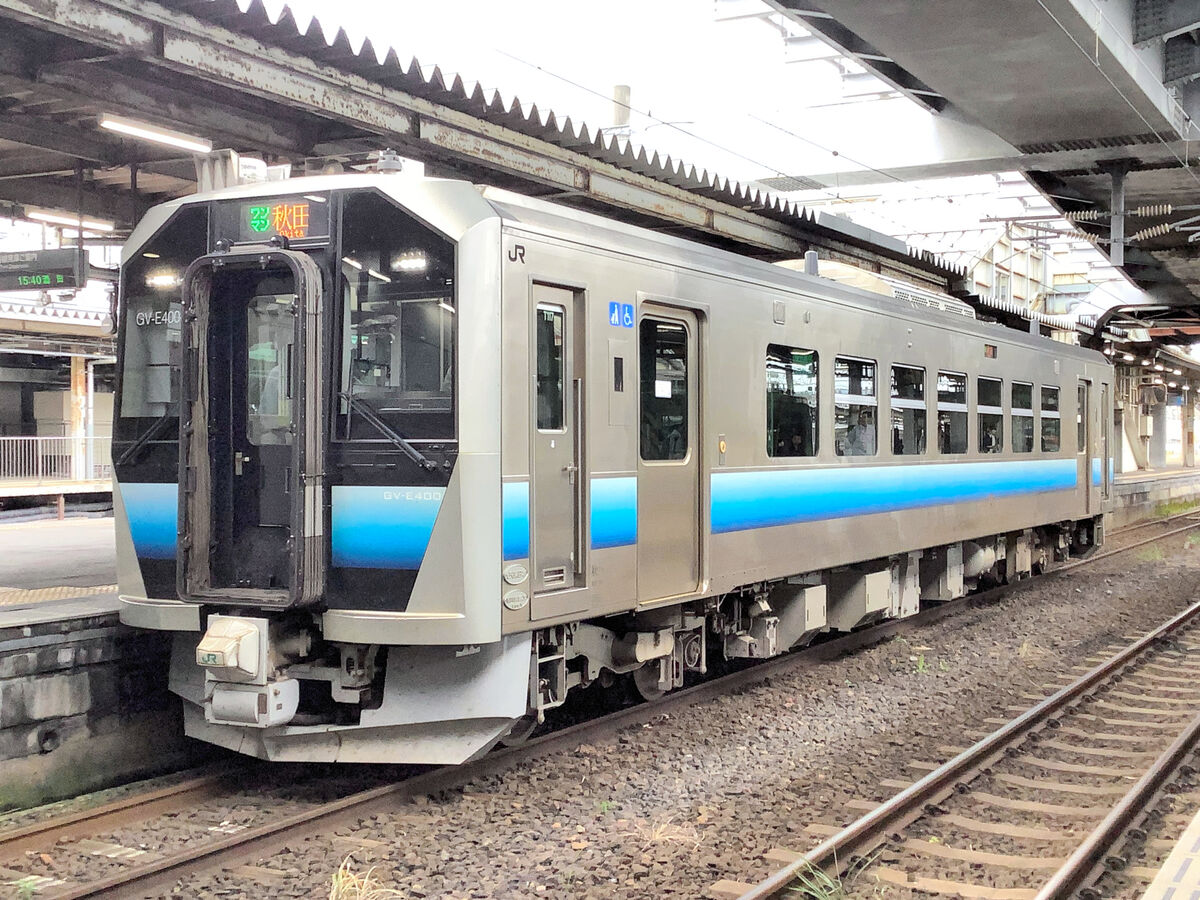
(401, 461)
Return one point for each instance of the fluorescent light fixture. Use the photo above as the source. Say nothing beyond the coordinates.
(352, 262)
(147, 132)
(410, 261)
(1177, 371)
(1147, 362)
(151, 255)
(1158, 367)
(315, 198)
(446, 306)
(1171, 384)
(70, 221)
(1128, 357)
(379, 275)
(162, 280)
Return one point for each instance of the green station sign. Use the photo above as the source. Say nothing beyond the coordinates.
(41, 270)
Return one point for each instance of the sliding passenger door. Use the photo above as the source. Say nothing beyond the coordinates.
(1085, 444)
(668, 484)
(1106, 419)
(557, 556)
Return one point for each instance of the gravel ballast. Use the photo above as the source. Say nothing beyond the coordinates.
(668, 808)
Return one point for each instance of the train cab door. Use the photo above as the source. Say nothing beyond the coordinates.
(1085, 444)
(556, 551)
(668, 482)
(252, 448)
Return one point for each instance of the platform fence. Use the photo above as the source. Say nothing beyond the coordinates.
(54, 460)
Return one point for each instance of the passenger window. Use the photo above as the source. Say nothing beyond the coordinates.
(952, 412)
(1080, 412)
(791, 401)
(550, 368)
(1051, 426)
(991, 415)
(1022, 417)
(854, 406)
(664, 389)
(909, 417)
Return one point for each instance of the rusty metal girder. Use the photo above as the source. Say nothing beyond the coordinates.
(211, 52)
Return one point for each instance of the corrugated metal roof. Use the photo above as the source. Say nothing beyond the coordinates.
(383, 66)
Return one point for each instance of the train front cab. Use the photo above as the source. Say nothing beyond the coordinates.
(305, 493)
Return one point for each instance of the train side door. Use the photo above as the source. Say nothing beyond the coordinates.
(556, 554)
(1106, 418)
(668, 483)
(1084, 442)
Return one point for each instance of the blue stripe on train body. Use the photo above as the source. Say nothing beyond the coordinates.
(153, 514)
(514, 505)
(1097, 472)
(376, 527)
(614, 512)
(762, 499)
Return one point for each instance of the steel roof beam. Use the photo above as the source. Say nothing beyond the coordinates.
(1164, 19)
(1181, 60)
(98, 202)
(134, 96)
(184, 44)
(865, 54)
(49, 135)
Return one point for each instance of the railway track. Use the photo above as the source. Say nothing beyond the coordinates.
(145, 873)
(1040, 807)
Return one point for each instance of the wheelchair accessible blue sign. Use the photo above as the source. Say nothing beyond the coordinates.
(620, 315)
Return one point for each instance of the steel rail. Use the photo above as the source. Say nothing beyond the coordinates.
(258, 842)
(864, 834)
(16, 841)
(1088, 860)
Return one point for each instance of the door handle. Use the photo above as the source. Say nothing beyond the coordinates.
(238, 459)
(571, 469)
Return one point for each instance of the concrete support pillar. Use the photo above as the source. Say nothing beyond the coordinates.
(1158, 440)
(77, 427)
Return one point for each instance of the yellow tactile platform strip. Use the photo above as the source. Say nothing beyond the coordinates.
(1179, 877)
(16, 596)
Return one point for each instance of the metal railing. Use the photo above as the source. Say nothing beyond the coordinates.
(54, 460)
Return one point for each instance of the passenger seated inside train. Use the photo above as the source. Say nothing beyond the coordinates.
(795, 427)
(860, 438)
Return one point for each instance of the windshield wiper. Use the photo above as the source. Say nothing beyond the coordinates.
(134, 450)
(388, 432)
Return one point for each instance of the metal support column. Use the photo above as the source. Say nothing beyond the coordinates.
(80, 397)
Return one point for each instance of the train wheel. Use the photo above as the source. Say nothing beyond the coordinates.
(645, 680)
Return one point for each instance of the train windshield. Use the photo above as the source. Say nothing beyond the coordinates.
(398, 323)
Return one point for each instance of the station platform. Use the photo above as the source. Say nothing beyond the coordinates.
(1152, 493)
(1178, 876)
